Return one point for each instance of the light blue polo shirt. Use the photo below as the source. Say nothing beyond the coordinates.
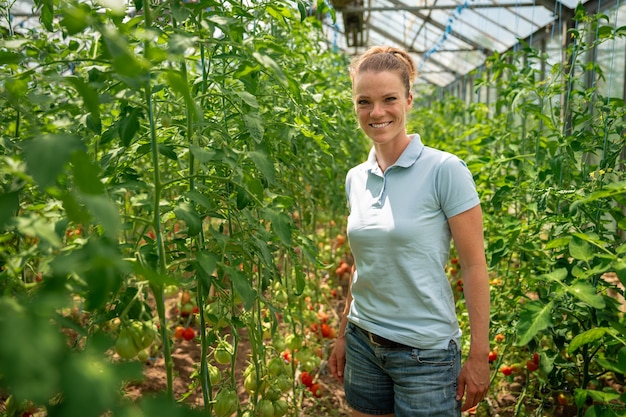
(400, 239)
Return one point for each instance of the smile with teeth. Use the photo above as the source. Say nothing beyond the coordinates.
(379, 125)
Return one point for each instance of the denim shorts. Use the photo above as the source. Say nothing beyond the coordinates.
(404, 381)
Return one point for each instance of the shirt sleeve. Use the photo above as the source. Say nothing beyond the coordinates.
(455, 187)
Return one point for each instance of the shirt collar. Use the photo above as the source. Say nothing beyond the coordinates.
(408, 157)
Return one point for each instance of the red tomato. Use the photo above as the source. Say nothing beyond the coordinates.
(499, 338)
(562, 399)
(178, 332)
(531, 366)
(327, 331)
(506, 370)
(536, 358)
(306, 378)
(189, 333)
(316, 389)
(493, 355)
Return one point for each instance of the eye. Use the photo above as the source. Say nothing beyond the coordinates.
(390, 99)
(362, 102)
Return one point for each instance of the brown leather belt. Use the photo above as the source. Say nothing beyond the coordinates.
(381, 341)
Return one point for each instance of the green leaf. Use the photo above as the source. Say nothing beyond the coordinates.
(587, 293)
(31, 368)
(90, 97)
(255, 126)
(74, 210)
(186, 213)
(40, 228)
(168, 152)
(142, 269)
(75, 19)
(586, 337)
(179, 85)
(105, 213)
(580, 249)
(618, 366)
(46, 10)
(303, 11)
(9, 204)
(129, 125)
(270, 64)
(533, 319)
(199, 198)
(10, 57)
(47, 155)
(203, 155)
(557, 275)
(248, 98)
(86, 174)
(243, 287)
(263, 164)
(124, 60)
(207, 261)
(281, 226)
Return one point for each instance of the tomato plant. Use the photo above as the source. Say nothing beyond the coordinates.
(179, 153)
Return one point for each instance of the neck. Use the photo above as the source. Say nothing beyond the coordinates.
(388, 153)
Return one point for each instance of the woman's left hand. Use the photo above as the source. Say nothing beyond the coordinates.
(473, 381)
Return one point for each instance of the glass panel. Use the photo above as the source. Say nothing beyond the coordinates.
(612, 58)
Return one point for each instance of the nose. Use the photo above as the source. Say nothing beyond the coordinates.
(377, 110)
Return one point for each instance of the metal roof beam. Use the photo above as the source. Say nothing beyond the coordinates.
(410, 49)
(400, 7)
(440, 26)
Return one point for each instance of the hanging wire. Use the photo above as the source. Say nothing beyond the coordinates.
(517, 21)
(611, 67)
(444, 37)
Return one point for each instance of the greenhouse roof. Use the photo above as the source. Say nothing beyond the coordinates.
(447, 38)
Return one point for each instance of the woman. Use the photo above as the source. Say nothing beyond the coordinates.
(398, 350)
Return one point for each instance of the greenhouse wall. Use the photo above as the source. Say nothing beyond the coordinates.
(610, 57)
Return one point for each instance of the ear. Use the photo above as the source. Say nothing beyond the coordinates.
(409, 101)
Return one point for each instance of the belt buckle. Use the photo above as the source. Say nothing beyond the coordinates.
(371, 337)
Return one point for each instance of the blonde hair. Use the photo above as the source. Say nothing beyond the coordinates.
(386, 58)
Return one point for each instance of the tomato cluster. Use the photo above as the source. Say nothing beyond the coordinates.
(134, 337)
(307, 380)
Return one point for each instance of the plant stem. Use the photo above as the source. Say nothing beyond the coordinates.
(157, 288)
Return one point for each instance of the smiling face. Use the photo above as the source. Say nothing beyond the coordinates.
(382, 103)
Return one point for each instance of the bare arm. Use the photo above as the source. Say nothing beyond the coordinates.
(467, 232)
(338, 355)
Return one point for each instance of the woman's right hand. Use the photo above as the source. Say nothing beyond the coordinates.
(337, 359)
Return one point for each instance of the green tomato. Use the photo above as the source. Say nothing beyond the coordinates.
(284, 383)
(280, 296)
(294, 342)
(143, 334)
(143, 355)
(226, 403)
(273, 393)
(125, 346)
(280, 408)
(265, 408)
(249, 382)
(170, 291)
(276, 366)
(278, 342)
(222, 356)
(215, 375)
